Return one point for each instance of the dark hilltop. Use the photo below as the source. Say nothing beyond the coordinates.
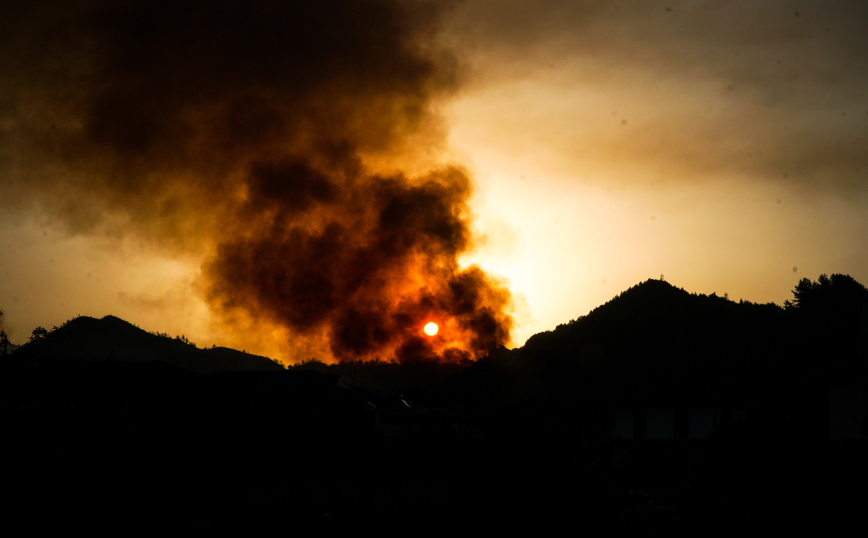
(113, 339)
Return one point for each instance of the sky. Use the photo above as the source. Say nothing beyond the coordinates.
(319, 182)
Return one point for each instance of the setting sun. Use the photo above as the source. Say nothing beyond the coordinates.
(431, 328)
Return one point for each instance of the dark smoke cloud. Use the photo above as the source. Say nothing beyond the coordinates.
(251, 130)
(378, 265)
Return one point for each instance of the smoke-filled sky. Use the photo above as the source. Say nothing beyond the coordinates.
(323, 180)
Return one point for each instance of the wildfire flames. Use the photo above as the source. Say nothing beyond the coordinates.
(269, 137)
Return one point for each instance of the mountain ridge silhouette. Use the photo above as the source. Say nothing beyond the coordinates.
(113, 339)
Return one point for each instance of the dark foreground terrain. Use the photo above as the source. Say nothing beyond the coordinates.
(659, 414)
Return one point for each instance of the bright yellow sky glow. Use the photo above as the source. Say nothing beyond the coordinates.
(620, 143)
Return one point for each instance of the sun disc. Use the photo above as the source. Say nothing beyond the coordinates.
(431, 328)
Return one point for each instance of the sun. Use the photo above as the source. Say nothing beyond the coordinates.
(431, 328)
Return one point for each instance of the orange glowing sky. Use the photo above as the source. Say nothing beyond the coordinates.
(719, 144)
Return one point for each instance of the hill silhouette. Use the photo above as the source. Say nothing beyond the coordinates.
(654, 340)
(656, 319)
(113, 339)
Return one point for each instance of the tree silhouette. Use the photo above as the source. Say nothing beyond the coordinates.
(4, 338)
(826, 317)
(828, 294)
(38, 333)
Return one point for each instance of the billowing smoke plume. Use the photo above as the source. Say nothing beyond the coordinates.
(270, 135)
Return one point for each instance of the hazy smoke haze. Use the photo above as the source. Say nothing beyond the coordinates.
(291, 145)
